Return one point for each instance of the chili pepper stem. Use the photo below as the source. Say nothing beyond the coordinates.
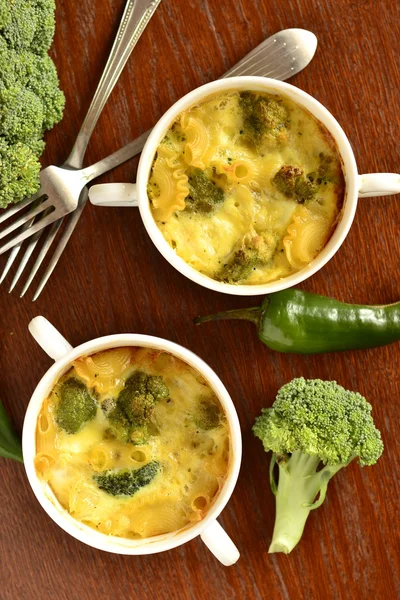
(248, 314)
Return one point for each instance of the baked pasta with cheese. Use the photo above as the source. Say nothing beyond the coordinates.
(133, 442)
(246, 187)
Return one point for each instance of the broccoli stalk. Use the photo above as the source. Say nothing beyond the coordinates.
(299, 484)
(312, 423)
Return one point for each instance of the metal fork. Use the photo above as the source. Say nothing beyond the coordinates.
(63, 185)
(280, 56)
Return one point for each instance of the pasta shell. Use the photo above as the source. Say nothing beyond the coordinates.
(306, 236)
(197, 142)
(103, 370)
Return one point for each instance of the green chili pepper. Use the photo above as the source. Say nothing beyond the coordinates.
(303, 323)
(10, 445)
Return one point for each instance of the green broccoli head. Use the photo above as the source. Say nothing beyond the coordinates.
(28, 24)
(208, 415)
(44, 34)
(126, 482)
(321, 419)
(19, 172)
(42, 80)
(204, 195)
(21, 116)
(76, 406)
(30, 99)
(312, 423)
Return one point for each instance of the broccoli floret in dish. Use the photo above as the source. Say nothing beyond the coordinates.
(129, 415)
(258, 251)
(76, 406)
(138, 399)
(263, 117)
(328, 170)
(208, 415)
(292, 182)
(204, 194)
(314, 429)
(127, 482)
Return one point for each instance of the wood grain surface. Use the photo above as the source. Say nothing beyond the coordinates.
(112, 279)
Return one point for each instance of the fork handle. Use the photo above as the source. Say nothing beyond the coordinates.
(117, 158)
(136, 15)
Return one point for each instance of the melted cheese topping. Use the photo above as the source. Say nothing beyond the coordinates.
(213, 136)
(194, 462)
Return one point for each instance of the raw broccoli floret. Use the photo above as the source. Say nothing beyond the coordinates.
(76, 406)
(208, 415)
(21, 116)
(45, 28)
(30, 99)
(127, 482)
(42, 80)
(314, 429)
(204, 194)
(259, 251)
(28, 24)
(292, 182)
(19, 172)
(262, 116)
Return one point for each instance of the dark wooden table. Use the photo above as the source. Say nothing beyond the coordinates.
(112, 279)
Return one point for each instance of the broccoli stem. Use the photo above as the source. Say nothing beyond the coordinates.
(298, 486)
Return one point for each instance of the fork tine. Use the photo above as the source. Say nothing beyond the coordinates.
(25, 218)
(29, 250)
(14, 253)
(10, 261)
(17, 207)
(37, 226)
(28, 253)
(73, 218)
(40, 257)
